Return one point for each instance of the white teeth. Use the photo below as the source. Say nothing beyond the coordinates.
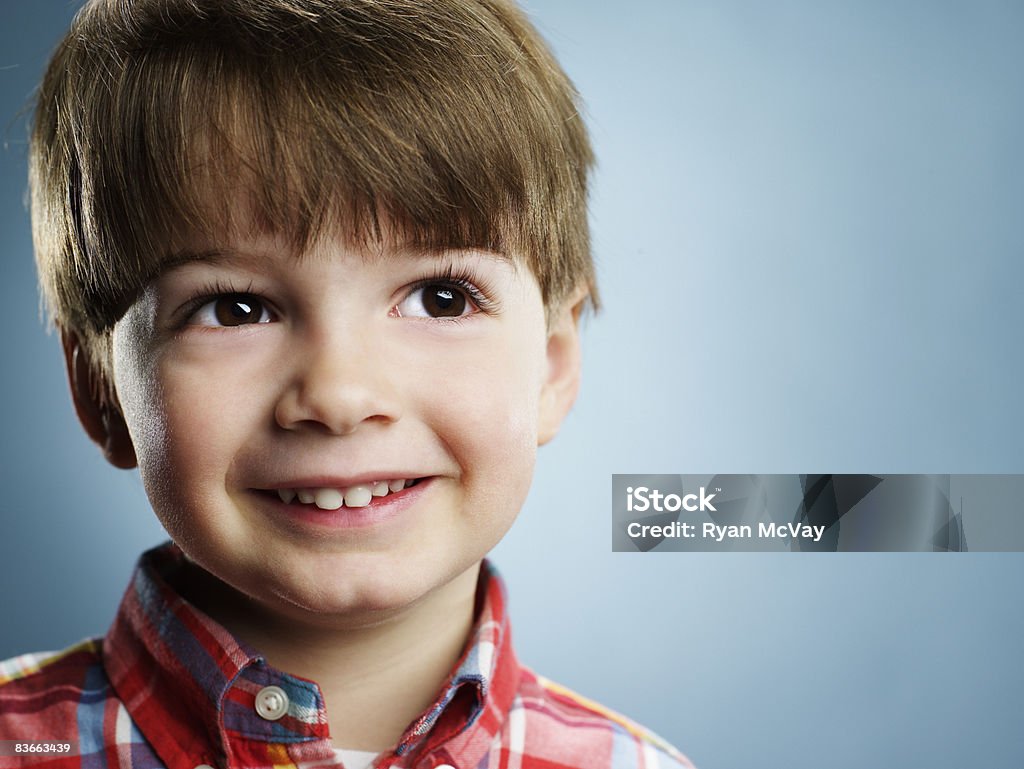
(358, 496)
(328, 499)
(352, 496)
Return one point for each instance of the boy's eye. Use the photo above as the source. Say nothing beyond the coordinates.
(436, 300)
(231, 310)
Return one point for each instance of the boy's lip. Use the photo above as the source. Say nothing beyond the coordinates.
(336, 482)
(331, 492)
(310, 517)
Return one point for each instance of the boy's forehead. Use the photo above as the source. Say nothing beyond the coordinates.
(256, 248)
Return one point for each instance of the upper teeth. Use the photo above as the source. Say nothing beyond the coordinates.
(351, 496)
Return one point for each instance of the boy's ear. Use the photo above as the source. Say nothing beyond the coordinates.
(562, 382)
(101, 419)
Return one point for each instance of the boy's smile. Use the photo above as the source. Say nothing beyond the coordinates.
(340, 435)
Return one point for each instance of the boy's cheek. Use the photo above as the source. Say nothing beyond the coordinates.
(136, 383)
(492, 430)
(176, 428)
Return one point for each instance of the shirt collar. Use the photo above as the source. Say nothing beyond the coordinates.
(191, 687)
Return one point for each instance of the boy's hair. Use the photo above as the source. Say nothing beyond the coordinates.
(431, 124)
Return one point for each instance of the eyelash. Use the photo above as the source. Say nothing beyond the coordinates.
(479, 292)
(209, 292)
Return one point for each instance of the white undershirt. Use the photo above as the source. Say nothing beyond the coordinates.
(355, 759)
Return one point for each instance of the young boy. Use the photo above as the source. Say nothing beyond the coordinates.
(318, 267)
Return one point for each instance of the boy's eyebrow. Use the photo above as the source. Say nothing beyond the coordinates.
(209, 255)
(228, 256)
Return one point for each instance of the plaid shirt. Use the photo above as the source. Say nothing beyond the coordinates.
(169, 687)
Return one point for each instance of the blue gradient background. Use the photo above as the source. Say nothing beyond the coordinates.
(807, 221)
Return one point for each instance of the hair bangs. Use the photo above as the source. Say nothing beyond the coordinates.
(220, 144)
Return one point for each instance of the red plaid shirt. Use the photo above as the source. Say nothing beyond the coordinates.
(170, 688)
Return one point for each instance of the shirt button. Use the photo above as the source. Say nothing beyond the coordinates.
(204, 766)
(444, 766)
(271, 703)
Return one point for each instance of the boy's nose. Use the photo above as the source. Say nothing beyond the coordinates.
(338, 382)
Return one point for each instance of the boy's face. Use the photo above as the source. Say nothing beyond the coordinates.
(245, 374)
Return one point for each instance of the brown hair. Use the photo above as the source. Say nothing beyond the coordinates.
(442, 123)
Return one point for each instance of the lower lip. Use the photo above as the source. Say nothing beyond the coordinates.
(378, 512)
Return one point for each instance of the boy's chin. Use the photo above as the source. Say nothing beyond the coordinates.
(339, 598)
(352, 604)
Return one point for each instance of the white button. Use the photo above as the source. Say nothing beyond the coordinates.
(271, 703)
(204, 766)
(444, 766)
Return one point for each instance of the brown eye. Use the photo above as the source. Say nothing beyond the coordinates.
(230, 310)
(443, 301)
(239, 309)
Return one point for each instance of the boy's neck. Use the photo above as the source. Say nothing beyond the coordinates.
(375, 679)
